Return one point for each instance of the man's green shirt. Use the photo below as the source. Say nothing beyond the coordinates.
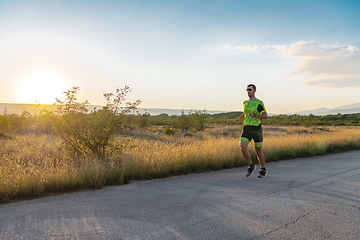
(256, 106)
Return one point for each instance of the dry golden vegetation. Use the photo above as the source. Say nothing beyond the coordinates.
(38, 165)
(218, 147)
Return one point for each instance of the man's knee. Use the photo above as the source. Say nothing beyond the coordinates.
(258, 150)
(244, 146)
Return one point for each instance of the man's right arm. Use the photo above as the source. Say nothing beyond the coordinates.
(238, 118)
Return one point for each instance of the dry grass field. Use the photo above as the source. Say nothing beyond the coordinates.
(38, 165)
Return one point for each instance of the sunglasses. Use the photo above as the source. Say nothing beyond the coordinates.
(249, 89)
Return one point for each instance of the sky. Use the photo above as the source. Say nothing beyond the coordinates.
(188, 54)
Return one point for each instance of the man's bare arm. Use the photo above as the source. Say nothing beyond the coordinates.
(239, 117)
(260, 116)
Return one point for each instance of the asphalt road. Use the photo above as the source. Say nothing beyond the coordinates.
(312, 198)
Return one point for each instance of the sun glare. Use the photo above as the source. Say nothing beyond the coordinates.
(40, 87)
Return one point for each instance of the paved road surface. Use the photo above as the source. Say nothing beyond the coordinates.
(313, 198)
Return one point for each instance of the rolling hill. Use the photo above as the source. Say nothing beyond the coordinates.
(345, 109)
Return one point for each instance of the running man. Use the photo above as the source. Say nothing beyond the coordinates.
(254, 111)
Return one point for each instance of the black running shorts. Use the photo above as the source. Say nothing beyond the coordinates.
(252, 132)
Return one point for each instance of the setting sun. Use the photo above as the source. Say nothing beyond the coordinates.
(40, 86)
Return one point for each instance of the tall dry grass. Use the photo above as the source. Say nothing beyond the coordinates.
(299, 142)
(152, 159)
(33, 166)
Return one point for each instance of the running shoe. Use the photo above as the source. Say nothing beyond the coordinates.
(250, 170)
(262, 173)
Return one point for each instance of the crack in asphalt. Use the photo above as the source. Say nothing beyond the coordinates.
(286, 225)
(318, 180)
(300, 217)
(314, 210)
(323, 202)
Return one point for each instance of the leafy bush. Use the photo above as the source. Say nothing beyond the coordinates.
(169, 131)
(194, 121)
(92, 134)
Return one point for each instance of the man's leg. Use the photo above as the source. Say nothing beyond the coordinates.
(260, 156)
(245, 151)
(258, 139)
(244, 148)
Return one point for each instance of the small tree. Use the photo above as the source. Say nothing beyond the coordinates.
(143, 120)
(25, 120)
(192, 121)
(199, 120)
(92, 133)
(44, 121)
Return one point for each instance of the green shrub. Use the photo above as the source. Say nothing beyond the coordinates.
(169, 131)
(92, 134)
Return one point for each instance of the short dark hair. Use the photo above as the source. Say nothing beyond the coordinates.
(252, 85)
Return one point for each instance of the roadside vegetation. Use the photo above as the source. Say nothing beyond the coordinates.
(74, 148)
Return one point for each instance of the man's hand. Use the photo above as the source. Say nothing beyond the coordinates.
(260, 116)
(238, 118)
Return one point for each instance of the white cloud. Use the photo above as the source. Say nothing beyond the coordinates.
(327, 65)
(323, 65)
(242, 49)
(225, 47)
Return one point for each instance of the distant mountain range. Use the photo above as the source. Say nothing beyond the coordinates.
(11, 108)
(157, 111)
(19, 108)
(16, 108)
(345, 109)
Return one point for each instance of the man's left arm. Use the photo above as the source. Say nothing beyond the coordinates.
(262, 115)
(262, 112)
